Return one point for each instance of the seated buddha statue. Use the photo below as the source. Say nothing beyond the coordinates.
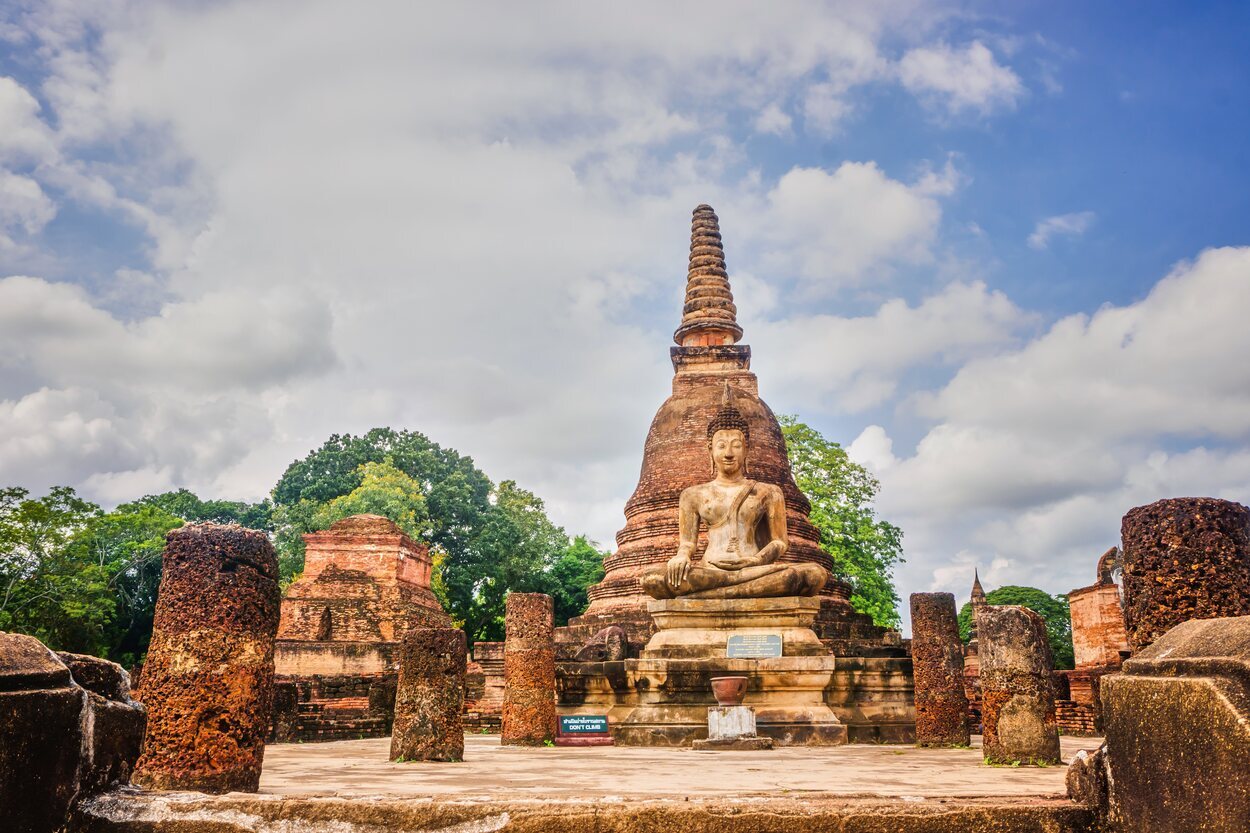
(746, 529)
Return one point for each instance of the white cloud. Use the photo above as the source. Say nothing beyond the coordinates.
(852, 364)
(824, 108)
(772, 119)
(843, 226)
(23, 204)
(960, 80)
(1035, 453)
(1067, 225)
(24, 137)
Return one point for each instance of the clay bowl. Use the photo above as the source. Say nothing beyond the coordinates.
(729, 691)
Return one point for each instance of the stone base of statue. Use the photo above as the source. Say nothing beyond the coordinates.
(770, 641)
(732, 729)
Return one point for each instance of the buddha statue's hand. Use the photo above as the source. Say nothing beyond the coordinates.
(678, 569)
(730, 562)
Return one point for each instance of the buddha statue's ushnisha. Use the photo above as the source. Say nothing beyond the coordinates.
(746, 529)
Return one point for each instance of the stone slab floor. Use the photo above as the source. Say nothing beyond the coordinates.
(491, 771)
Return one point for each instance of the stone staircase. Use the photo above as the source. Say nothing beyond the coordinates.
(343, 718)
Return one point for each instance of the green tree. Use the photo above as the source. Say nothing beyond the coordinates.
(514, 549)
(456, 493)
(188, 506)
(125, 545)
(1054, 609)
(864, 548)
(44, 591)
(486, 540)
(384, 490)
(575, 569)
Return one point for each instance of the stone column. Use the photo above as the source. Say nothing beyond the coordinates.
(430, 696)
(937, 658)
(1017, 693)
(208, 679)
(529, 670)
(1184, 558)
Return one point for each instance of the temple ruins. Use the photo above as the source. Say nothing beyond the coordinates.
(365, 586)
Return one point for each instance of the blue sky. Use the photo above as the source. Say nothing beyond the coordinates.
(999, 251)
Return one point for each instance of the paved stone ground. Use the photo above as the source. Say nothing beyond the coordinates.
(360, 768)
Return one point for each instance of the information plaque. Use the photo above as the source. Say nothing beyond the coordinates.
(583, 724)
(753, 646)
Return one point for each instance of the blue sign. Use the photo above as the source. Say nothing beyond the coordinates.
(583, 724)
(753, 646)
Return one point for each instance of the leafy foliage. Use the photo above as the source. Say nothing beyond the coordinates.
(384, 490)
(186, 505)
(486, 540)
(1054, 609)
(77, 578)
(455, 492)
(577, 567)
(864, 548)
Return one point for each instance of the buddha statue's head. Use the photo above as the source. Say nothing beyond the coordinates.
(728, 436)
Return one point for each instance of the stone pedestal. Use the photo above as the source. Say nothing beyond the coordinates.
(732, 728)
(529, 669)
(673, 676)
(1017, 693)
(1184, 558)
(208, 679)
(430, 696)
(937, 659)
(1177, 723)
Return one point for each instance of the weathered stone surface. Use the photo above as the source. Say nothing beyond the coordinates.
(364, 583)
(483, 712)
(1098, 637)
(117, 724)
(208, 679)
(1017, 694)
(529, 667)
(1086, 779)
(283, 726)
(1177, 724)
(610, 644)
(938, 663)
(41, 715)
(145, 813)
(430, 696)
(1184, 558)
(62, 737)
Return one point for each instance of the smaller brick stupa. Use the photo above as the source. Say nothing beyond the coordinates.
(365, 585)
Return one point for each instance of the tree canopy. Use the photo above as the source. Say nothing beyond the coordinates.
(864, 548)
(486, 539)
(1054, 609)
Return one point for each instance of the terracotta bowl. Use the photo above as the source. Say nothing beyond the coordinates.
(729, 691)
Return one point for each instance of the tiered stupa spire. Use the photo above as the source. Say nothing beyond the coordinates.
(709, 316)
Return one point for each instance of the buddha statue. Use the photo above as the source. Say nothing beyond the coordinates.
(746, 529)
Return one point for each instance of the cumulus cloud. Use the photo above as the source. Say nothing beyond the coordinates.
(1035, 453)
(25, 137)
(772, 119)
(1061, 225)
(852, 364)
(837, 227)
(960, 80)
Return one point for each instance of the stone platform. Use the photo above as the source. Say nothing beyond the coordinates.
(805, 696)
(326, 787)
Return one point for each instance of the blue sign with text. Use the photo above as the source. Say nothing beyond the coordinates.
(583, 724)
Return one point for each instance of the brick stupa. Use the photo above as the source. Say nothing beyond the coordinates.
(365, 582)
(707, 355)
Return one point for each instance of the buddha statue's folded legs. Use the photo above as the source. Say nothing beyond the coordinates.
(763, 581)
